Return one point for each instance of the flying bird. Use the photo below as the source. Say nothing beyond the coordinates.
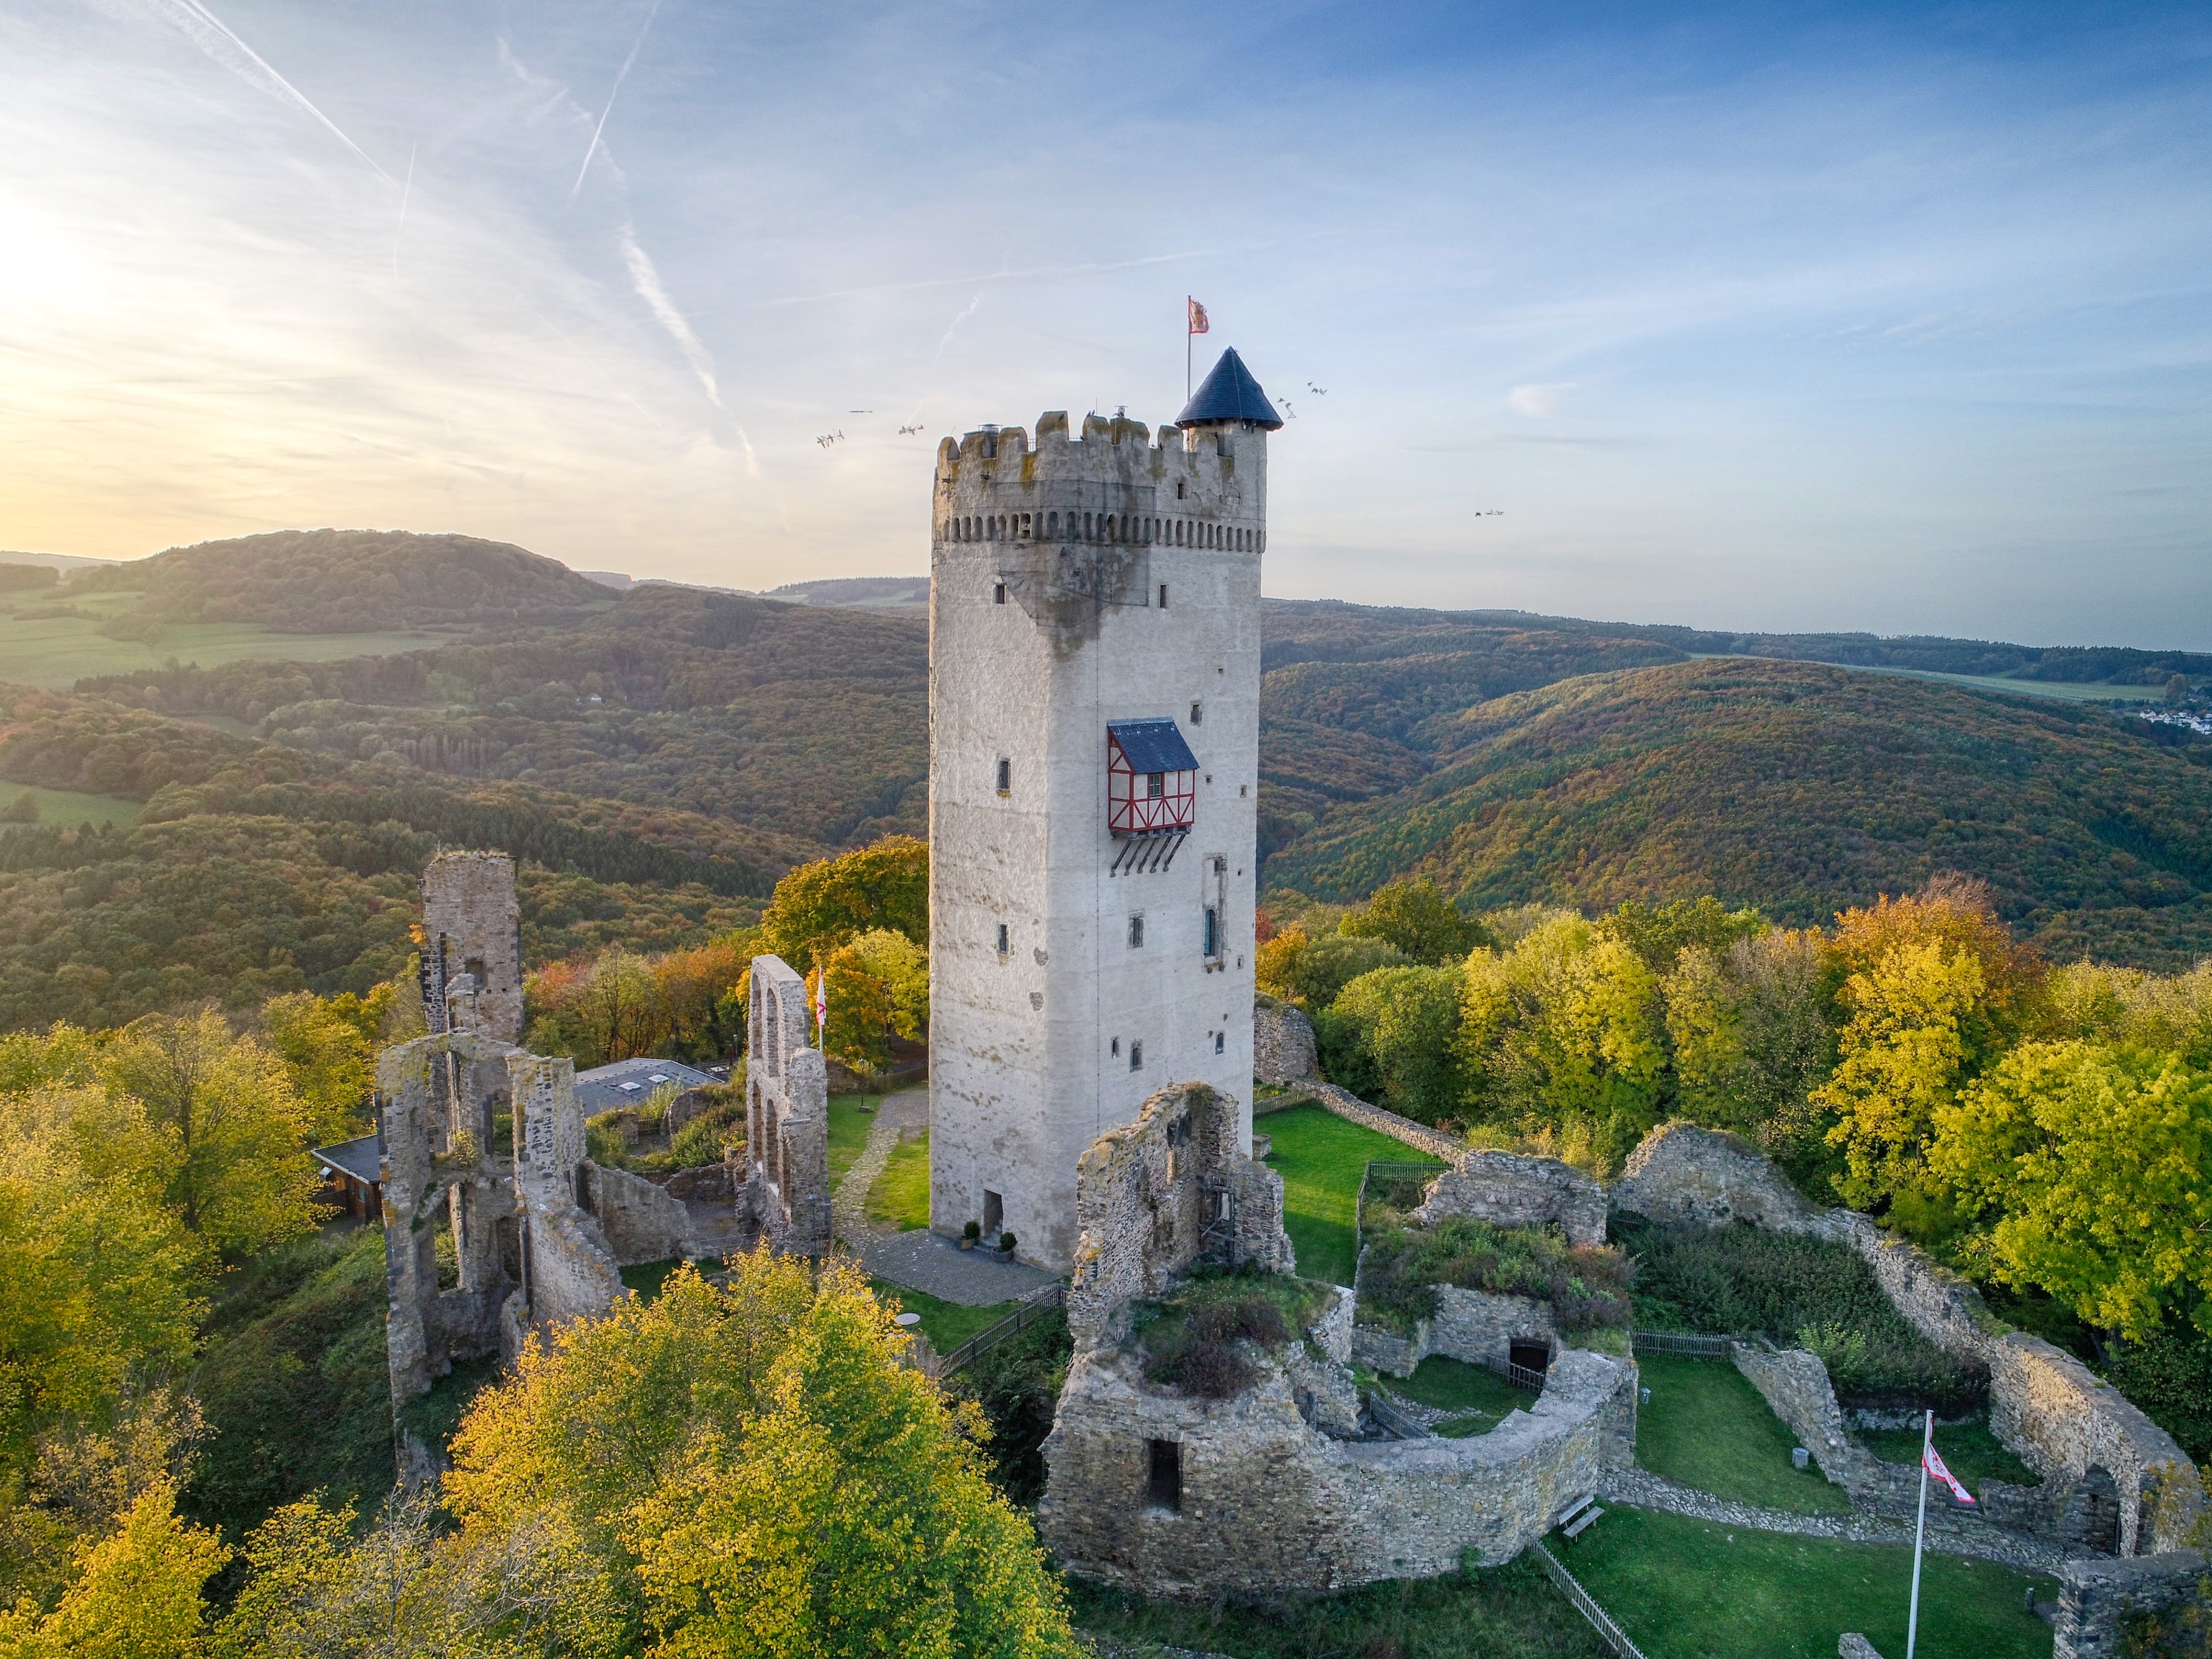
(1317, 390)
(908, 431)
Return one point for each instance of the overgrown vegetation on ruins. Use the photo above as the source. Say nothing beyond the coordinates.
(1586, 1289)
(2039, 1128)
(1191, 1336)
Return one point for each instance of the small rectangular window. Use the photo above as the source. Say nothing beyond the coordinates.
(1212, 931)
(1136, 933)
(999, 593)
(1002, 938)
(1164, 1475)
(1164, 596)
(1006, 777)
(1115, 1048)
(1198, 713)
(1136, 1056)
(1220, 1039)
(1156, 785)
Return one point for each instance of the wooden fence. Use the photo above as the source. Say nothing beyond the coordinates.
(1585, 1604)
(1046, 1302)
(1689, 1344)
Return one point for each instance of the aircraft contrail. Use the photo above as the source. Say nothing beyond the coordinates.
(647, 279)
(212, 36)
(620, 75)
(406, 190)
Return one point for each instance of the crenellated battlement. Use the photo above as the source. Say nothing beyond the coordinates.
(1197, 487)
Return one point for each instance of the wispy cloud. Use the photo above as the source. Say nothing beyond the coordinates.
(1539, 401)
(212, 36)
(621, 75)
(647, 279)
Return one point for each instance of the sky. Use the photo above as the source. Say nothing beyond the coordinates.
(1758, 317)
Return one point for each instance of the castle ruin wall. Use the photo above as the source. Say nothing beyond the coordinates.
(1283, 1049)
(787, 1186)
(2070, 1425)
(1471, 1326)
(1269, 1505)
(639, 1220)
(472, 924)
(1509, 1190)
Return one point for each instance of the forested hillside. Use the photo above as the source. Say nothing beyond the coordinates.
(1800, 789)
(347, 581)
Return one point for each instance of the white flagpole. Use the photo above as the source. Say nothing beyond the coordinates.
(1919, 1532)
(1186, 348)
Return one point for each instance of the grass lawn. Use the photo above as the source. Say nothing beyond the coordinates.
(66, 808)
(1970, 1451)
(1500, 1613)
(1321, 1157)
(647, 1278)
(1707, 1427)
(58, 651)
(900, 1197)
(1479, 1395)
(851, 1117)
(1684, 1588)
(947, 1324)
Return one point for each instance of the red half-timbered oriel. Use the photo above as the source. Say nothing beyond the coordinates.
(1151, 778)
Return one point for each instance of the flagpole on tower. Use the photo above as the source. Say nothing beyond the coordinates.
(1919, 1535)
(1195, 321)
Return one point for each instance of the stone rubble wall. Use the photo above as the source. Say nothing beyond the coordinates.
(1141, 1199)
(1510, 1190)
(2047, 1407)
(2096, 1599)
(1351, 1108)
(470, 915)
(1473, 1326)
(641, 1221)
(1283, 1048)
(785, 1189)
(1270, 1506)
(1794, 1382)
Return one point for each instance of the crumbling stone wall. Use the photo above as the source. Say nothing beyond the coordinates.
(2097, 1599)
(1270, 1505)
(786, 1189)
(1156, 1195)
(1512, 1191)
(472, 925)
(1283, 1048)
(1473, 1326)
(640, 1220)
(2070, 1426)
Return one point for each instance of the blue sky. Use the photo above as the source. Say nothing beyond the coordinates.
(1762, 317)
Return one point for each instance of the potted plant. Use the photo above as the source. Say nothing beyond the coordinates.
(1005, 1251)
(970, 1234)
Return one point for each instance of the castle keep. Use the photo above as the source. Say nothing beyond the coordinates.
(1094, 770)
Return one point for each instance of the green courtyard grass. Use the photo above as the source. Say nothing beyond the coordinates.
(1685, 1589)
(1478, 1397)
(900, 1198)
(1511, 1612)
(1969, 1450)
(1707, 1427)
(851, 1117)
(1321, 1158)
(947, 1324)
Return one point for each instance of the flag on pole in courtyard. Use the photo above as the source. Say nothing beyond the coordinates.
(1934, 1460)
(821, 1006)
(1198, 323)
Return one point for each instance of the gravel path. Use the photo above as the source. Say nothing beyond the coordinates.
(1946, 1534)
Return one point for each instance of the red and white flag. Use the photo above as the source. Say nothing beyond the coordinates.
(1198, 324)
(1932, 1461)
(822, 1005)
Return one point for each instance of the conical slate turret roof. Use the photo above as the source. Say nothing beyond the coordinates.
(1229, 393)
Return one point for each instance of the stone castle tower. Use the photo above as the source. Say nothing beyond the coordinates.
(1094, 774)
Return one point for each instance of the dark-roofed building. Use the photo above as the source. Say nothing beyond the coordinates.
(632, 1083)
(353, 1176)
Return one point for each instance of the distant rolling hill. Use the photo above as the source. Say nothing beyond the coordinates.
(348, 581)
(1799, 788)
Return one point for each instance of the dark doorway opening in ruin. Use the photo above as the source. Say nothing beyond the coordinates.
(995, 1215)
(1163, 1487)
(2091, 1514)
(1523, 1355)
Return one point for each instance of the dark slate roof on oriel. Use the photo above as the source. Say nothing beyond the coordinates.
(1153, 745)
(1229, 393)
(359, 1158)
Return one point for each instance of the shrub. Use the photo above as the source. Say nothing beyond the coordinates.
(1191, 1336)
(1801, 1292)
(700, 1140)
(1587, 1288)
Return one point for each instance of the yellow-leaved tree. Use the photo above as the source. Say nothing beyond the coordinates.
(136, 1594)
(2093, 1160)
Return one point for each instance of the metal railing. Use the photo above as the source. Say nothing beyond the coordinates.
(1585, 1604)
(1401, 1174)
(1394, 1419)
(1690, 1344)
(1045, 1303)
